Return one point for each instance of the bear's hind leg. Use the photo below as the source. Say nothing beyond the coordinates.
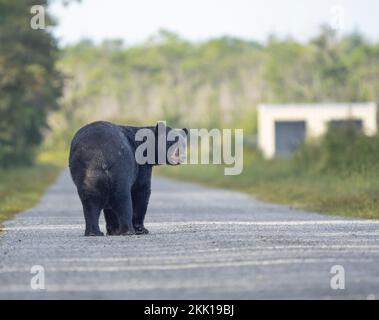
(91, 215)
(123, 208)
(111, 221)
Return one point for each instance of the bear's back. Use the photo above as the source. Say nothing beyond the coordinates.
(99, 144)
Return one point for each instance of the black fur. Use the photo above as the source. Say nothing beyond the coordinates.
(107, 176)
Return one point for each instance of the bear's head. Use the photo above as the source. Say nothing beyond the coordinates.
(171, 144)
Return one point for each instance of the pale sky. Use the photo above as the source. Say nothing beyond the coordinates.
(134, 21)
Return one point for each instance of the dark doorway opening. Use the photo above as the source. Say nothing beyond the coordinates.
(342, 124)
(289, 135)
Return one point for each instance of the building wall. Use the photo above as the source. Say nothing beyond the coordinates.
(316, 116)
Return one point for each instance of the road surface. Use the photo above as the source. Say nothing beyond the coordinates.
(204, 244)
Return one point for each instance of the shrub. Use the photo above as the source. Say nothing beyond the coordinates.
(341, 151)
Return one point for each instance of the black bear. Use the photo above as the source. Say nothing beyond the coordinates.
(111, 166)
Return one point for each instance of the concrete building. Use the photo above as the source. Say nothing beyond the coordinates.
(282, 128)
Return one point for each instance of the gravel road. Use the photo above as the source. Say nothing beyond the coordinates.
(204, 244)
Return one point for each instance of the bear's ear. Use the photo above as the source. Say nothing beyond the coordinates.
(185, 131)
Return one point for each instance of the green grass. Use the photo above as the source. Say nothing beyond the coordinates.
(22, 187)
(280, 181)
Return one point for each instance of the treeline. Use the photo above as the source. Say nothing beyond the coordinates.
(30, 84)
(215, 83)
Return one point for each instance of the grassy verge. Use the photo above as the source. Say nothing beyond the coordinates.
(22, 187)
(280, 181)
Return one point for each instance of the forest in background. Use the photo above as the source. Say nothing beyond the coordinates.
(47, 93)
(217, 83)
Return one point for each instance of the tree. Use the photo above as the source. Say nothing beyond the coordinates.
(29, 81)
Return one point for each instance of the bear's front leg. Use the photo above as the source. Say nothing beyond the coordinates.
(124, 209)
(140, 198)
